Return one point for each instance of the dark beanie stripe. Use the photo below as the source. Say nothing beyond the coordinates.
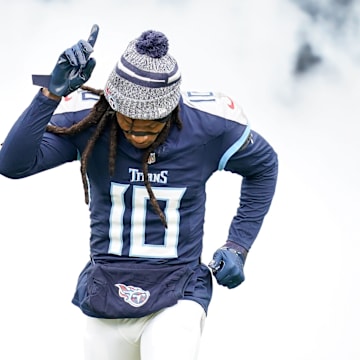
(146, 78)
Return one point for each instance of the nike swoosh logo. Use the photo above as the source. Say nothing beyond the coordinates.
(231, 105)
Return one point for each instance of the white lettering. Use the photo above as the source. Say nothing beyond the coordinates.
(137, 175)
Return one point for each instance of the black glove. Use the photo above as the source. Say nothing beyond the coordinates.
(73, 68)
(228, 265)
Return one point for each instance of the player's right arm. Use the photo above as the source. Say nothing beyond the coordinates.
(28, 149)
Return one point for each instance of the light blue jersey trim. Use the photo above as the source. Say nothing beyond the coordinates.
(234, 148)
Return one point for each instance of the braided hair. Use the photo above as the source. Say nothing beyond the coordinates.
(101, 116)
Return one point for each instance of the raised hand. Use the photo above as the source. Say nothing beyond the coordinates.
(73, 68)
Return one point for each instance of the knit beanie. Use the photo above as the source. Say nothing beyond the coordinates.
(145, 83)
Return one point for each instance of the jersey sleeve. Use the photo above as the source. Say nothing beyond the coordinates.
(28, 149)
(242, 151)
(257, 163)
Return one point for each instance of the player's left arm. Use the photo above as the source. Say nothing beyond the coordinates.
(257, 163)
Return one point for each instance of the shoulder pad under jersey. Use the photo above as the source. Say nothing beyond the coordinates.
(215, 103)
(77, 101)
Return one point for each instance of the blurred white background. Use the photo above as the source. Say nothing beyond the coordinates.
(294, 66)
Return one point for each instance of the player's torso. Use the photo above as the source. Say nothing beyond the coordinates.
(123, 221)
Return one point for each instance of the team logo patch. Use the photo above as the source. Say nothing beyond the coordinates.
(133, 295)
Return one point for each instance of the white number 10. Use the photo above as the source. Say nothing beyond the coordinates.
(140, 197)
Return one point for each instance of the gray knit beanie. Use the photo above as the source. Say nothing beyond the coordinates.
(145, 83)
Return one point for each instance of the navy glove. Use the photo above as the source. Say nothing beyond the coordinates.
(73, 68)
(228, 265)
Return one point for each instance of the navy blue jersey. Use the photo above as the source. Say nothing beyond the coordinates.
(215, 136)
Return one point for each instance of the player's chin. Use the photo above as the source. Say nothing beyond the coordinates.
(140, 146)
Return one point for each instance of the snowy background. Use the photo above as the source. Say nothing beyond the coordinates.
(294, 66)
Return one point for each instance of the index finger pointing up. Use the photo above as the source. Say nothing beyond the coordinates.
(93, 34)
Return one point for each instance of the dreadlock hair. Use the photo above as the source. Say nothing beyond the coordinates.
(100, 116)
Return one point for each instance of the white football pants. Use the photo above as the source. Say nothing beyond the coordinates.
(173, 333)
